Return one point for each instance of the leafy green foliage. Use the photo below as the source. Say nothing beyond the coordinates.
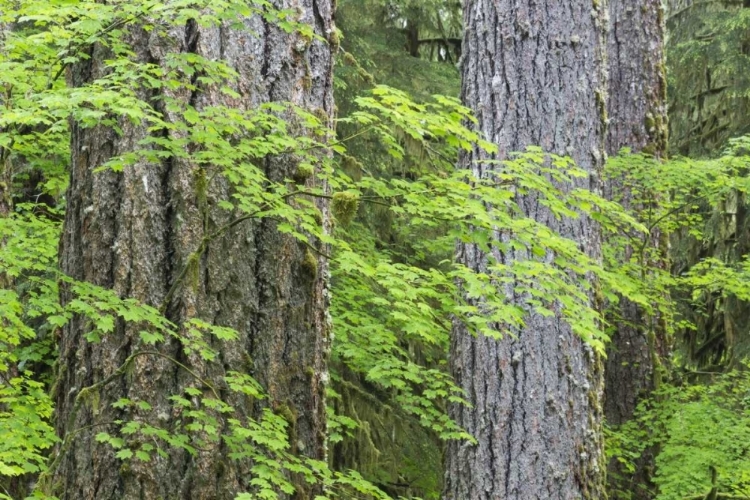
(50, 37)
(676, 199)
(389, 314)
(696, 426)
(28, 249)
(399, 208)
(696, 421)
(389, 446)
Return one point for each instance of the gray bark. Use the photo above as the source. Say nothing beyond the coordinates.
(534, 73)
(134, 232)
(638, 120)
(637, 77)
(637, 112)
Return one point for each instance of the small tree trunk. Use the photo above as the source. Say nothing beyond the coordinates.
(534, 73)
(638, 120)
(135, 232)
(6, 178)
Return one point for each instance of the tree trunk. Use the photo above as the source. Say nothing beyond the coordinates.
(534, 73)
(6, 177)
(637, 77)
(638, 120)
(134, 232)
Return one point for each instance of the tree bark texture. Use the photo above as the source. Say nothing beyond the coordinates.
(134, 232)
(637, 77)
(534, 73)
(6, 177)
(637, 120)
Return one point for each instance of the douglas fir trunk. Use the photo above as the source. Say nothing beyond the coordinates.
(135, 232)
(534, 74)
(638, 120)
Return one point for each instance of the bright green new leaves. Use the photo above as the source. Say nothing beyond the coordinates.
(697, 426)
(678, 197)
(700, 419)
(394, 303)
(27, 407)
(24, 425)
(394, 300)
(27, 251)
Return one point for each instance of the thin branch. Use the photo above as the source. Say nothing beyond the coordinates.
(84, 393)
(451, 40)
(186, 368)
(319, 252)
(203, 246)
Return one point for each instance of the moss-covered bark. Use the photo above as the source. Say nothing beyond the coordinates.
(136, 231)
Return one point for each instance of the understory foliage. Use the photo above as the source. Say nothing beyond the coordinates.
(399, 207)
(388, 445)
(696, 419)
(702, 429)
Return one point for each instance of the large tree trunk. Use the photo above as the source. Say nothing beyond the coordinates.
(134, 232)
(638, 120)
(534, 74)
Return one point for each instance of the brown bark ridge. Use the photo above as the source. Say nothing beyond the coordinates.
(534, 73)
(135, 231)
(6, 176)
(637, 120)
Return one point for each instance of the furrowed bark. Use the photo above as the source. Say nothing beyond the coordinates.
(638, 120)
(534, 73)
(135, 232)
(6, 177)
